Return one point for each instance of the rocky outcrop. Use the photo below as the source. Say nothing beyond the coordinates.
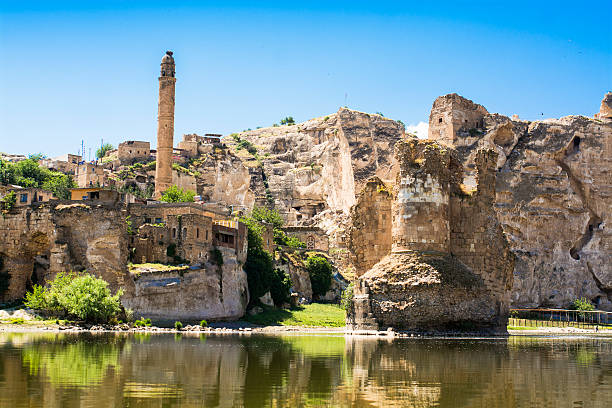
(213, 292)
(316, 167)
(41, 240)
(450, 267)
(554, 194)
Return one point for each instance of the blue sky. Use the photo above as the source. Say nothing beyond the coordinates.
(88, 70)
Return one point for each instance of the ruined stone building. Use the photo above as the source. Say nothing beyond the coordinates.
(553, 196)
(133, 150)
(449, 266)
(165, 125)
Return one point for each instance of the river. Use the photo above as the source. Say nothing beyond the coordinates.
(164, 370)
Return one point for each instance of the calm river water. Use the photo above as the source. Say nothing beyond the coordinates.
(62, 370)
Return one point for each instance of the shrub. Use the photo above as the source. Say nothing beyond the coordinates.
(8, 201)
(320, 272)
(178, 325)
(177, 195)
(204, 323)
(582, 304)
(17, 320)
(347, 296)
(287, 121)
(80, 296)
(280, 287)
(142, 322)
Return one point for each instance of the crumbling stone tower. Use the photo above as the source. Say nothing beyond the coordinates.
(452, 114)
(165, 125)
(421, 210)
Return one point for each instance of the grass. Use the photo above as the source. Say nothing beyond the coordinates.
(139, 268)
(313, 315)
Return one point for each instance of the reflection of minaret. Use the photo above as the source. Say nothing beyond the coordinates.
(165, 125)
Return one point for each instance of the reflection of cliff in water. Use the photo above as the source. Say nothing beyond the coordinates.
(229, 371)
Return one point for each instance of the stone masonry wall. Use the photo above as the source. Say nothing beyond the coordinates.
(369, 237)
(41, 240)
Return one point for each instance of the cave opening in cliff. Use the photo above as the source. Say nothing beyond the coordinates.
(574, 146)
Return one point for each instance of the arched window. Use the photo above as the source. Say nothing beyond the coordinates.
(173, 232)
(310, 242)
(197, 233)
(184, 233)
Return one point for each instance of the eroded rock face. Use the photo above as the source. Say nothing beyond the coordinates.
(450, 267)
(211, 293)
(318, 166)
(42, 240)
(554, 195)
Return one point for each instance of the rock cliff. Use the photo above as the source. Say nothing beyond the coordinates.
(311, 171)
(450, 267)
(41, 240)
(554, 195)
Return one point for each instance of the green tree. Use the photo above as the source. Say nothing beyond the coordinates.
(320, 272)
(177, 195)
(287, 121)
(267, 215)
(280, 287)
(8, 172)
(60, 185)
(81, 296)
(105, 148)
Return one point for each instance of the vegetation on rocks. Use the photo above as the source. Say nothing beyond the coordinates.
(76, 295)
(259, 265)
(320, 272)
(177, 195)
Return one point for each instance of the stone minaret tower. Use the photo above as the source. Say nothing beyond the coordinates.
(165, 125)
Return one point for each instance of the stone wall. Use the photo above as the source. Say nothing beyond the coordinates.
(313, 237)
(369, 237)
(439, 274)
(41, 240)
(132, 150)
(450, 114)
(553, 195)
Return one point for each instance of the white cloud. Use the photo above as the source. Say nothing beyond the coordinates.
(419, 129)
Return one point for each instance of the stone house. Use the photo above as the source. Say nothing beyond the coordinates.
(27, 196)
(133, 150)
(313, 237)
(89, 175)
(185, 230)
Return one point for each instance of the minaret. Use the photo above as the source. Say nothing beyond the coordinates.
(165, 125)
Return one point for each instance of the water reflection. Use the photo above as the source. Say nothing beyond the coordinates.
(301, 371)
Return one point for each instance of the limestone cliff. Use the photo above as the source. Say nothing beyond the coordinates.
(212, 292)
(311, 171)
(41, 240)
(554, 195)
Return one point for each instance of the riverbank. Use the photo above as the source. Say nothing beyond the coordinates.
(309, 319)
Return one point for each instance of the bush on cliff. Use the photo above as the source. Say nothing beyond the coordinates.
(177, 195)
(259, 266)
(76, 295)
(320, 272)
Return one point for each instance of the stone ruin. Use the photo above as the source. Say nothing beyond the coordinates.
(450, 267)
